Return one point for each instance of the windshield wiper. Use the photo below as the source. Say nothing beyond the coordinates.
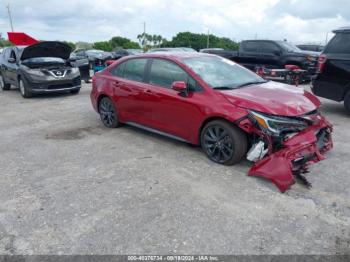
(250, 83)
(223, 88)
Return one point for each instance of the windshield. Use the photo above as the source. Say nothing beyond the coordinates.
(44, 60)
(288, 46)
(96, 52)
(134, 51)
(222, 73)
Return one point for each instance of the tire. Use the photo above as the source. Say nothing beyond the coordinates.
(23, 88)
(3, 85)
(223, 143)
(108, 113)
(76, 91)
(87, 81)
(347, 102)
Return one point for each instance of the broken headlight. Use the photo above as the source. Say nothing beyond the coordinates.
(277, 125)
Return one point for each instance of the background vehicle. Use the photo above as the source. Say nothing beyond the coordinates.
(271, 55)
(125, 52)
(315, 48)
(172, 49)
(39, 68)
(213, 102)
(93, 56)
(232, 55)
(333, 76)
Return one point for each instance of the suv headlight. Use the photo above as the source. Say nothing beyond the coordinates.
(74, 70)
(275, 125)
(35, 72)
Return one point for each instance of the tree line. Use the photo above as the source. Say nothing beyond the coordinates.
(147, 41)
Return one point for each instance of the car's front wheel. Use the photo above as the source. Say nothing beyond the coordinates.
(23, 88)
(347, 102)
(108, 113)
(3, 84)
(223, 143)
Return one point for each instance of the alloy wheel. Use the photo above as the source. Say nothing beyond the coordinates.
(107, 113)
(22, 88)
(2, 84)
(218, 144)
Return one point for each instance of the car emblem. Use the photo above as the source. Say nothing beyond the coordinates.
(59, 73)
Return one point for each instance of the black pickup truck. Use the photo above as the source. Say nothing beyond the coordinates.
(270, 54)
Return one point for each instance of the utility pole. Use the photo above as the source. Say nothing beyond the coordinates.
(144, 35)
(10, 17)
(208, 39)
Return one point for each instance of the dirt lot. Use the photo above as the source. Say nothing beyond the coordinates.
(71, 186)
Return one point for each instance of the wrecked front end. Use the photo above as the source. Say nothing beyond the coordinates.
(283, 147)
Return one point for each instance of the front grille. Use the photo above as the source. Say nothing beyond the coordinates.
(68, 85)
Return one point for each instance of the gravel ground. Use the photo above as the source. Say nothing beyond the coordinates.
(71, 186)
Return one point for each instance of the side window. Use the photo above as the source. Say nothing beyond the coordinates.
(7, 53)
(251, 46)
(119, 70)
(268, 47)
(134, 69)
(164, 73)
(13, 55)
(340, 44)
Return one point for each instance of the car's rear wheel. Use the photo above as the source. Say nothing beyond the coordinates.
(23, 88)
(223, 143)
(108, 113)
(347, 102)
(3, 84)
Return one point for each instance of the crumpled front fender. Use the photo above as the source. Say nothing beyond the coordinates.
(296, 155)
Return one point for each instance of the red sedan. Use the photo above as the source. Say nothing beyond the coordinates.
(210, 101)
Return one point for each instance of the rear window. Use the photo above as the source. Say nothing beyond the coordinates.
(340, 44)
(134, 69)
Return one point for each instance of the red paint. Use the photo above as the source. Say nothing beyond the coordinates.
(17, 38)
(170, 111)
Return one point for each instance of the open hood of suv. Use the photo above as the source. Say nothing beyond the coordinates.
(273, 98)
(47, 49)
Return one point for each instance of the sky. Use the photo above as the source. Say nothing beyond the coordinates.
(298, 21)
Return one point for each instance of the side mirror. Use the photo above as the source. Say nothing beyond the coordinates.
(11, 60)
(180, 86)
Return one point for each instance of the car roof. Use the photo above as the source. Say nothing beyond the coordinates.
(345, 29)
(174, 55)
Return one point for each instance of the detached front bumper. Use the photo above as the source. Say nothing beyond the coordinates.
(297, 153)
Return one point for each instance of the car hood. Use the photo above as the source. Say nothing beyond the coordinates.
(47, 49)
(273, 98)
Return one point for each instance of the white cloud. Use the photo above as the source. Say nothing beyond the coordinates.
(91, 20)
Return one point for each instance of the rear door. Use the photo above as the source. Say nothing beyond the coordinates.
(270, 54)
(11, 71)
(127, 83)
(249, 55)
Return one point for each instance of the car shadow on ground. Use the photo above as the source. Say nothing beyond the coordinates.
(40, 96)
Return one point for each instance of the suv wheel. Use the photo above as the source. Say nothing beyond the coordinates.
(223, 143)
(347, 102)
(23, 88)
(3, 84)
(108, 113)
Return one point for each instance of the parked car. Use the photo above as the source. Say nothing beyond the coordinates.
(92, 55)
(125, 52)
(39, 68)
(172, 49)
(315, 48)
(213, 102)
(333, 76)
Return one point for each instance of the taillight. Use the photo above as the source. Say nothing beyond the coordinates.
(321, 63)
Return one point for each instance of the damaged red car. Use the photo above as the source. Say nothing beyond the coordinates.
(210, 101)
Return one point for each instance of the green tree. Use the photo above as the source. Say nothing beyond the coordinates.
(71, 44)
(4, 42)
(103, 45)
(122, 42)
